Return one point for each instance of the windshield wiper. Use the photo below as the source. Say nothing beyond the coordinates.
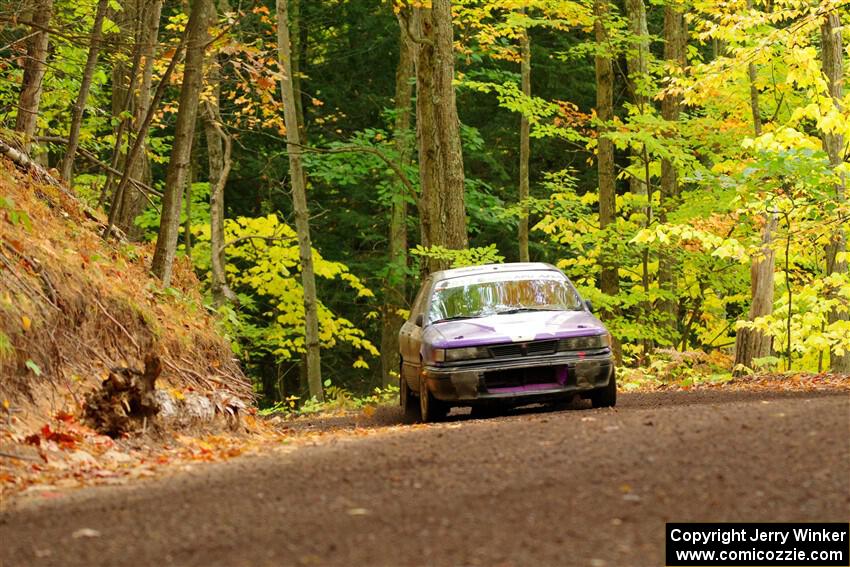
(456, 318)
(525, 309)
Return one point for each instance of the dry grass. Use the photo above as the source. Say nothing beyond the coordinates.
(72, 306)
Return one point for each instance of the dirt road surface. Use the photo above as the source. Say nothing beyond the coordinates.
(577, 487)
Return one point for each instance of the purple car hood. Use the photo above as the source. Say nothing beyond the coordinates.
(516, 327)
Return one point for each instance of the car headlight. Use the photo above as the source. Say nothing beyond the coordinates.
(585, 343)
(456, 354)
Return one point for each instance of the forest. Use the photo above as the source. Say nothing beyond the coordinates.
(685, 162)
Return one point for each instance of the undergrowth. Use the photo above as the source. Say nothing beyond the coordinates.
(337, 399)
(74, 307)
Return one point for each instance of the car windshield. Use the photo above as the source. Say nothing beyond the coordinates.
(493, 294)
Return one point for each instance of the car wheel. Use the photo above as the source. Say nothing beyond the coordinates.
(605, 397)
(407, 401)
(430, 408)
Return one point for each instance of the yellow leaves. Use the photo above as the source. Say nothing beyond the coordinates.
(360, 363)
(731, 248)
(26, 322)
(834, 122)
(267, 254)
(783, 139)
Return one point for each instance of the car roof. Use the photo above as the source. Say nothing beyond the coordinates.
(494, 268)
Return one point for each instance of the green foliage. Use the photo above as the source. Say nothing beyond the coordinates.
(13, 215)
(149, 219)
(337, 399)
(35, 368)
(460, 258)
(706, 236)
(669, 367)
(264, 270)
(7, 350)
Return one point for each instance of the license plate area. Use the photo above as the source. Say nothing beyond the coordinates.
(525, 379)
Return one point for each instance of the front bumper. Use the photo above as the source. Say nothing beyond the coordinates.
(526, 380)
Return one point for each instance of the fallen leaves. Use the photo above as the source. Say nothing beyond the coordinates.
(787, 382)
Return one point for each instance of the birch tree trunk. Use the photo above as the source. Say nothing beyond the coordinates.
(831, 54)
(34, 68)
(82, 97)
(395, 287)
(299, 200)
(524, 145)
(442, 210)
(184, 132)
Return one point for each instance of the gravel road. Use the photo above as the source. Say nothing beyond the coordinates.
(576, 487)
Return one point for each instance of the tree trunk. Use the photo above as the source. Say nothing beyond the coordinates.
(609, 281)
(187, 203)
(441, 204)
(133, 202)
(299, 200)
(831, 53)
(141, 132)
(123, 83)
(82, 97)
(395, 287)
(219, 163)
(34, 68)
(295, 37)
(751, 344)
(184, 131)
(218, 153)
(675, 45)
(524, 145)
(637, 61)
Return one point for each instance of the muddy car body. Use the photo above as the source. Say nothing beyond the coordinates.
(502, 335)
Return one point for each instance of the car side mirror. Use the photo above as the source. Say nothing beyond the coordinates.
(420, 319)
(589, 305)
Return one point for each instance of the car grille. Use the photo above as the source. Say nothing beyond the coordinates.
(524, 349)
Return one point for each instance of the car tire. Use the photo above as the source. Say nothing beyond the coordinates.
(605, 397)
(430, 408)
(409, 407)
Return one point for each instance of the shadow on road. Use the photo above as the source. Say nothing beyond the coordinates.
(388, 416)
